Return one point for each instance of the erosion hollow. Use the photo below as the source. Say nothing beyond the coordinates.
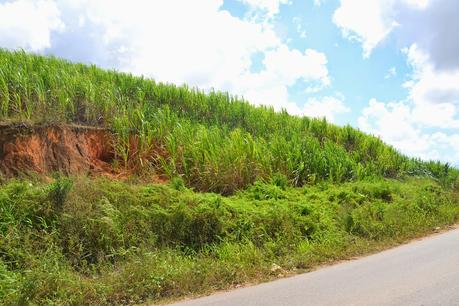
(46, 149)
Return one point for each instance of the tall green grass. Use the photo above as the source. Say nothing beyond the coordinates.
(215, 141)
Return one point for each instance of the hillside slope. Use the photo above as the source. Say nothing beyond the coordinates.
(214, 141)
(245, 194)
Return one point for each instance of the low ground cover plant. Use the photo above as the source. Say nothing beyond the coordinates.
(95, 241)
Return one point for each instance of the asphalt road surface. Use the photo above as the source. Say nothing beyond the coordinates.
(424, 272)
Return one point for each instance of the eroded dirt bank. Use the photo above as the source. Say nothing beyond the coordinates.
(47, 149)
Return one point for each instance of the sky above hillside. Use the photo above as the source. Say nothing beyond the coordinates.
(388, 67)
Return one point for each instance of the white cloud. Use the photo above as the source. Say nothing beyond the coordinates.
(431, 86)
(299, 27)
(199, 44)
(391, 73)
(28, 24)
(435, 94)
(417, 4)
(318, 2)
(290, 65)
(283, 67)
(396, 125)
(271, 7)
(430, 24)
(393, 122)
(425, 123)
(368, 22)
(327, 107)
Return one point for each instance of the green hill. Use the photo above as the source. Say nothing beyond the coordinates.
(214, 141)
(250, 194)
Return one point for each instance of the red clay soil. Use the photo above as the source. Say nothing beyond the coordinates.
(48, 149)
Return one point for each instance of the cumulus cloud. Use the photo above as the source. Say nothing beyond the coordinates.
(28, 24)
(318, 2)
(327, 107)
(434, 94)
(283, 67)
(391, 73)
(429, 24)
(271, 7)
(394, 123)
(299, 27)
(424, 123)
(291, 65)
(199, 44)
(368, 22)
(433, 28)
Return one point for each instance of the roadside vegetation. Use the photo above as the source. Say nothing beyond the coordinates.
(83, 241)
(251, 193)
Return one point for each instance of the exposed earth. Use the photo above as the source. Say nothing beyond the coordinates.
(45, 149)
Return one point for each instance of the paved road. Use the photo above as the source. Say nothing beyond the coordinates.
(424, 272)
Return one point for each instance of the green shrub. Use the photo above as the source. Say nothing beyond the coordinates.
(262, 191)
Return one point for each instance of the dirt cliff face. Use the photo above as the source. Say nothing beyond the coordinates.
(47, 149)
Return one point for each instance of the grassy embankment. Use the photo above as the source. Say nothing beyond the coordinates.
(283, 190)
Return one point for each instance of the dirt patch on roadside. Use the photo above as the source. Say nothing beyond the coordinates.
(47, 149)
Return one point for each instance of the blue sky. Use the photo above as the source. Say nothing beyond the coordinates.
(354, 78)
(387, 67)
